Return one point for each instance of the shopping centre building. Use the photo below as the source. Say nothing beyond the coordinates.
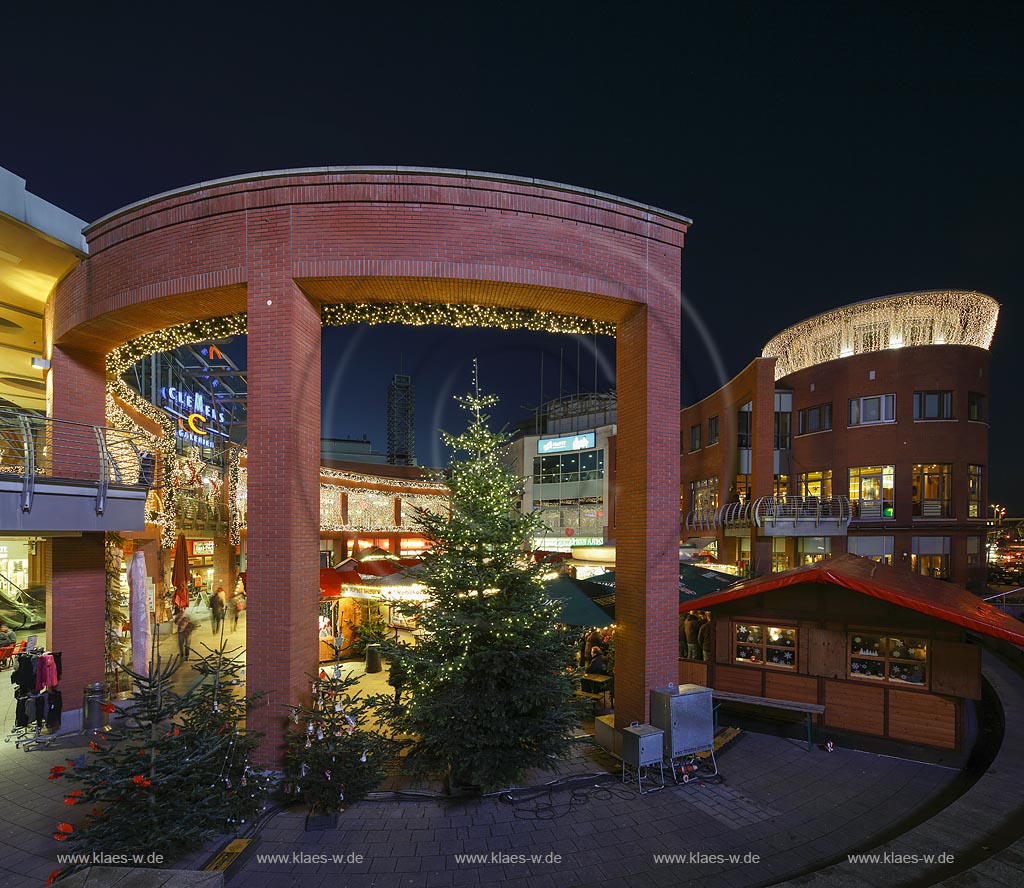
(861, 430)
(276, 256)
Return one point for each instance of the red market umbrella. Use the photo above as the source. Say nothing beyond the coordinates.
(179, 576)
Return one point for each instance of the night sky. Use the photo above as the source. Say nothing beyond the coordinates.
(827, 152)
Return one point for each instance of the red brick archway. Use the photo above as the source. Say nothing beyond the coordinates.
(280, 245)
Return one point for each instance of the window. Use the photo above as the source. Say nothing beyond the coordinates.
(704, 495)
(929, 556)
(765, 645)
(780, 486)
(933, 405)
(933, 490)
(742, 488)
(783, 420)
(898, 660)
(712, 430)
(814, 419)
(976, 407)
(974, 551)
(817, 484)
(870, 337)
(974, 498)
(694, 437)
(813, 549)
(875, 409)
(565, 468)
(877, 548)
(871, 489)
(745, 425)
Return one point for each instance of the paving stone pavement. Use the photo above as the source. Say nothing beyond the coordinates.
(780, 811)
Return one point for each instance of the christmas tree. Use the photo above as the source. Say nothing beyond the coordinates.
(176, 773)
(490, 679)
(333, 758)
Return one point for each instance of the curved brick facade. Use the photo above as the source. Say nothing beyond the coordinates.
(958, 441)
(279, 245)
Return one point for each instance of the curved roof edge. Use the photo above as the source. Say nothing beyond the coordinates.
(921, 317)
(390, 170)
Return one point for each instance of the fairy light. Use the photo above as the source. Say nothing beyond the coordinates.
(121, 359)
(419, 314)
(941, 317)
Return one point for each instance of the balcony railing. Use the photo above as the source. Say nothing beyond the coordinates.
(776, 516)
(42, 455)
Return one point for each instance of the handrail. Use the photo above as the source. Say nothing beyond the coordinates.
(33, 446)
(771, 511)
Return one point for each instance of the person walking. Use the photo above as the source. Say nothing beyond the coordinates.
(237, 606)
(185, 628)
(217, 605)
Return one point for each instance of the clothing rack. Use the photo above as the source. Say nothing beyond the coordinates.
(37, 705)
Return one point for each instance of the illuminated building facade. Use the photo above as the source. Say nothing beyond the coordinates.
(862, 430)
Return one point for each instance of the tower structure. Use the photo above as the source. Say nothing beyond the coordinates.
(400, 421)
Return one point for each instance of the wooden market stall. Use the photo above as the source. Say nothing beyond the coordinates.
(884, 651)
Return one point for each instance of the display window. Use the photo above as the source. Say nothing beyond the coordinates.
(889, 658)
(764, 645)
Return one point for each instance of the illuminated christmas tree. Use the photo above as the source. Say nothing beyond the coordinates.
(334, 758)
(491, 690)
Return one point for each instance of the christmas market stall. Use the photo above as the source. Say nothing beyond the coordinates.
(868, 648)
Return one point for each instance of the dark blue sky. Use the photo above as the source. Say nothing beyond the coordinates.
(827, 152)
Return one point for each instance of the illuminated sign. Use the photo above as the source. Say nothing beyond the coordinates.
(202, 547)
(585, 441)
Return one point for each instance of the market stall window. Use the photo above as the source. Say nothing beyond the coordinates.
(765, 645)
(899, 660)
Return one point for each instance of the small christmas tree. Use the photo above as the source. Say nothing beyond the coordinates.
(334, 757)
(177, 773)
(491, 676)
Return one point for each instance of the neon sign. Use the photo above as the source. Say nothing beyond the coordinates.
(585, 441)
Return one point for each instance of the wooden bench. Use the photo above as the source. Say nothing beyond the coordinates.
(808, 709)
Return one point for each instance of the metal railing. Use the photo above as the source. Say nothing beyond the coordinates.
(34, 447)
(816, 510)
(772, 511)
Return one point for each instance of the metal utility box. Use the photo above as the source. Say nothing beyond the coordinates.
(641, 746)
(686, 717)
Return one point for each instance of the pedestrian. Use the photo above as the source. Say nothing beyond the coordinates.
(597, 665)
(237, 606)
(217, 605)
(185, 628)
(691, 627)
(704, 637)
(7, 635)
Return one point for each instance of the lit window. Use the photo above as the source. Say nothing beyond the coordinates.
(974, 498)
(932, 490)
(765, 645)
(888, 658)
(871, 490)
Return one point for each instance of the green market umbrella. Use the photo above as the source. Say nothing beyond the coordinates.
(577, 607)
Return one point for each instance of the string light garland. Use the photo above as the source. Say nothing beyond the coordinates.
(941, 317)
(237, 477)
(418, 314)
(121, 359)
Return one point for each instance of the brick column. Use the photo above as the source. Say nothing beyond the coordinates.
(76, 587)
(647, 505)
(284, 492)
(224, 565)
(762, 469)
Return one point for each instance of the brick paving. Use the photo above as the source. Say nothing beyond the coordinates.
(797, 811)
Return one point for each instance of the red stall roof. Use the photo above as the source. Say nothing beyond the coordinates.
(936, 598)
(331, 581)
